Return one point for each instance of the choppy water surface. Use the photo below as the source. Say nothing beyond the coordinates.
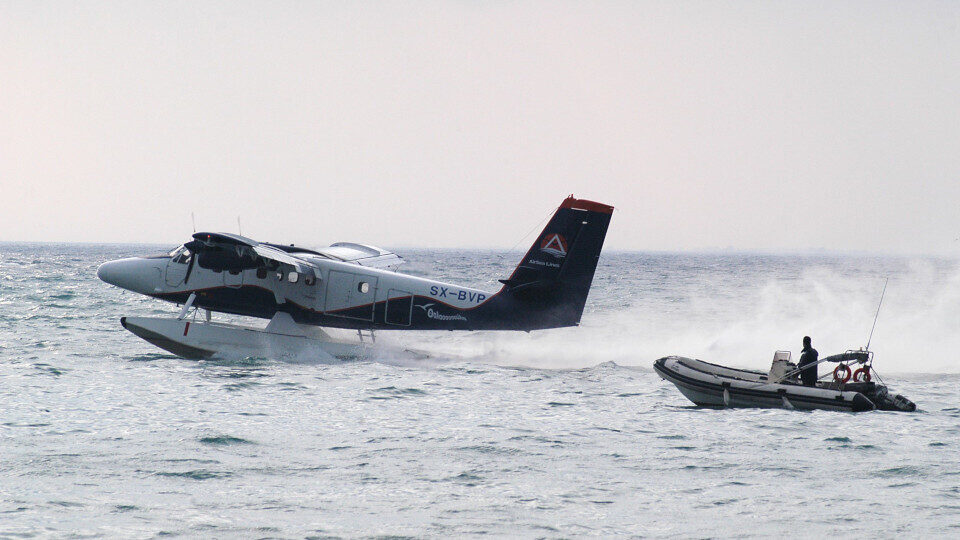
(558, 433)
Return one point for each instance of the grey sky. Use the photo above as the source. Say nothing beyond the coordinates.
(767, 125)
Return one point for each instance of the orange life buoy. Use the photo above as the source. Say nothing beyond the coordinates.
(861, 375)
(841, 369)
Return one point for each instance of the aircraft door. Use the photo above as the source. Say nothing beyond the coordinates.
(176, 270)
(399, 308)
(350, 295)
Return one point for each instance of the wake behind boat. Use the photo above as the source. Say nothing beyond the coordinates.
(713, 385)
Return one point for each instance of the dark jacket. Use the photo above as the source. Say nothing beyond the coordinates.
(808, 356)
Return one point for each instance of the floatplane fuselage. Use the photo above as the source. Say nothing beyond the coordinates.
(352, 286)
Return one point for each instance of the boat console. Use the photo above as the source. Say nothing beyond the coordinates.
(782, 369)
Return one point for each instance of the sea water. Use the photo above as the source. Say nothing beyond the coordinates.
(558, 433)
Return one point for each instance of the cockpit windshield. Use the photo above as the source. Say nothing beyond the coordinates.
(180, 255)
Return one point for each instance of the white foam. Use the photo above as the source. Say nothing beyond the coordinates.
(742, 324)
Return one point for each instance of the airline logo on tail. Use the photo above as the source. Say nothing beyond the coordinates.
(555, 245)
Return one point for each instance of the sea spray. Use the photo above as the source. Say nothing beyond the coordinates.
(739, 310)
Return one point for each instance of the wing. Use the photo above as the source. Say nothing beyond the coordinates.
(362, 255)
(273, 254)
(232, 252)
(224, 251)
(222, 239)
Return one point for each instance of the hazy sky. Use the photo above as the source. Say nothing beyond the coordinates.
(752, 125)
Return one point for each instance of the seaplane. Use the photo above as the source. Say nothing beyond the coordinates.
(304, 293)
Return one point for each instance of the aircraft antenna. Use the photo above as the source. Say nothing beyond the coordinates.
(535, 227)
(869, 339)
(239, 229)
(193, 219)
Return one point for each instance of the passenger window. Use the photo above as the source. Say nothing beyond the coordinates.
(261, 273)
(309, 280)
(293, 277)
(363, 287)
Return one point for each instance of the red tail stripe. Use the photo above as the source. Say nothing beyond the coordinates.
(583, 204)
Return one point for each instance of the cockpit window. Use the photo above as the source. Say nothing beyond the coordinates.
(181, 255)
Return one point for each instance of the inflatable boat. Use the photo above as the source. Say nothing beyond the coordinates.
(713, 385)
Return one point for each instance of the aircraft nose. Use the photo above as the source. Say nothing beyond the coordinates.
(138, 275)
(108, 272)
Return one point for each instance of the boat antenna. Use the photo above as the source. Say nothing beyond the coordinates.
(869, 339)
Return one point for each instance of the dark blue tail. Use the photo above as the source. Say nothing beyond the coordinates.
(550, 285)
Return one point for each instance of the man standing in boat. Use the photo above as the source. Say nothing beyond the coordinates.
(808, 357)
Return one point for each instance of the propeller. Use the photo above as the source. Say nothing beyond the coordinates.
(194, 246)
(193, 257)
(220, 253)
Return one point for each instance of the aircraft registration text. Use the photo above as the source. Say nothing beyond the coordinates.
(463, 296)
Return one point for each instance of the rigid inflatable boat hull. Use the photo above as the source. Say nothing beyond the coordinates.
(711, 385)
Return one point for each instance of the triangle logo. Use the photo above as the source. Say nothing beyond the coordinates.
(554, 244)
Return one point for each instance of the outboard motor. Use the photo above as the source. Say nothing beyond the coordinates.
(881, 396)
(904, 404)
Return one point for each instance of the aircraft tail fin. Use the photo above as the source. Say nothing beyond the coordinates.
(551, 283)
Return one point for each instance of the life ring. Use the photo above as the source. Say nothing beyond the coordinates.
(841, 374)
(862, 375)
